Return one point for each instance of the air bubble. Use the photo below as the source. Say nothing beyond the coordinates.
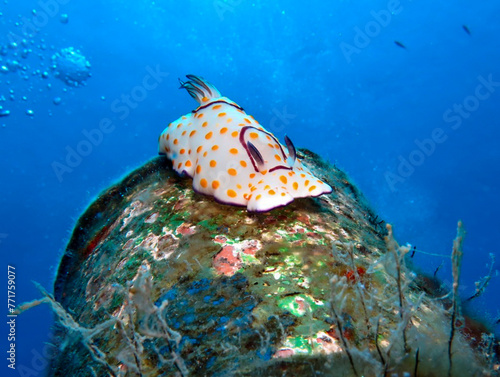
(4, 113)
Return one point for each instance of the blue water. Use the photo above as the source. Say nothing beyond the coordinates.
(415, 125)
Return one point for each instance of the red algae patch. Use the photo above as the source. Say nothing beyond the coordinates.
(227, 261)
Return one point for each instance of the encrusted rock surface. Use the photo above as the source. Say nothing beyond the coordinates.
(163, 281)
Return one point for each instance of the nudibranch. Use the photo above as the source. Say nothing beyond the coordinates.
(232, 157)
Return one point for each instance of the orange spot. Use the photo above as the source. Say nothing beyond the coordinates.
(184, 117)
(254, 135)
(239, 186)
(188, 163)
(268, 137)
(209, 135)
(213, 163)
(205, 154)
(258, 197)
(204, 124)
(276, 146)
(270, 145)
(252, 176)
(183, 133)
(234, 133)
(203, 183)
(312, 188)
(223, 130)
(303, 175)
(291, 173)
(231, 193)
(267, 187)
(180, 165)
(215, 184)
(200, 115)
(191, 134)
(233, 151)
(168, 136)
(232, 171)
(253, 189)
(319, 181)
(215, 147)
(204, 99)
(283, 194)
(198, 150)
(176, 141)
(247, 120)
(198, 169)
(271, 192)
(278, 158)
(263, 172)
(283, 179)
(182, 151)
(306, 183)
(221, 114)
(243, 163)
(229, 120)
(189, 151)
(295, 186)
(179, 125)
(216, 107)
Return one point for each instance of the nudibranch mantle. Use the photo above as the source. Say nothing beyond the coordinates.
(232, 157)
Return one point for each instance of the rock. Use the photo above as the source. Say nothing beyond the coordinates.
(160, 281)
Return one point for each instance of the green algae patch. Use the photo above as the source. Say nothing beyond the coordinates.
(300, 304)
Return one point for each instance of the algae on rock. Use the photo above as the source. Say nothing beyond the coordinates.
(177, 284)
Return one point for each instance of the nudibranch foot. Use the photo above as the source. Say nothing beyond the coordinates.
(231, 157)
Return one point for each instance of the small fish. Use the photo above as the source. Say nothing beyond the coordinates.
(398, 43)
(467, 30)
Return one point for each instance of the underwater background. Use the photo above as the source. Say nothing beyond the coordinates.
(402, 95)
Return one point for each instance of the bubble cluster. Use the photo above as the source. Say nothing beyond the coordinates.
(71, 66)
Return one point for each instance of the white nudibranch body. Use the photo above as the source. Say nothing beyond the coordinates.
(232, 157)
